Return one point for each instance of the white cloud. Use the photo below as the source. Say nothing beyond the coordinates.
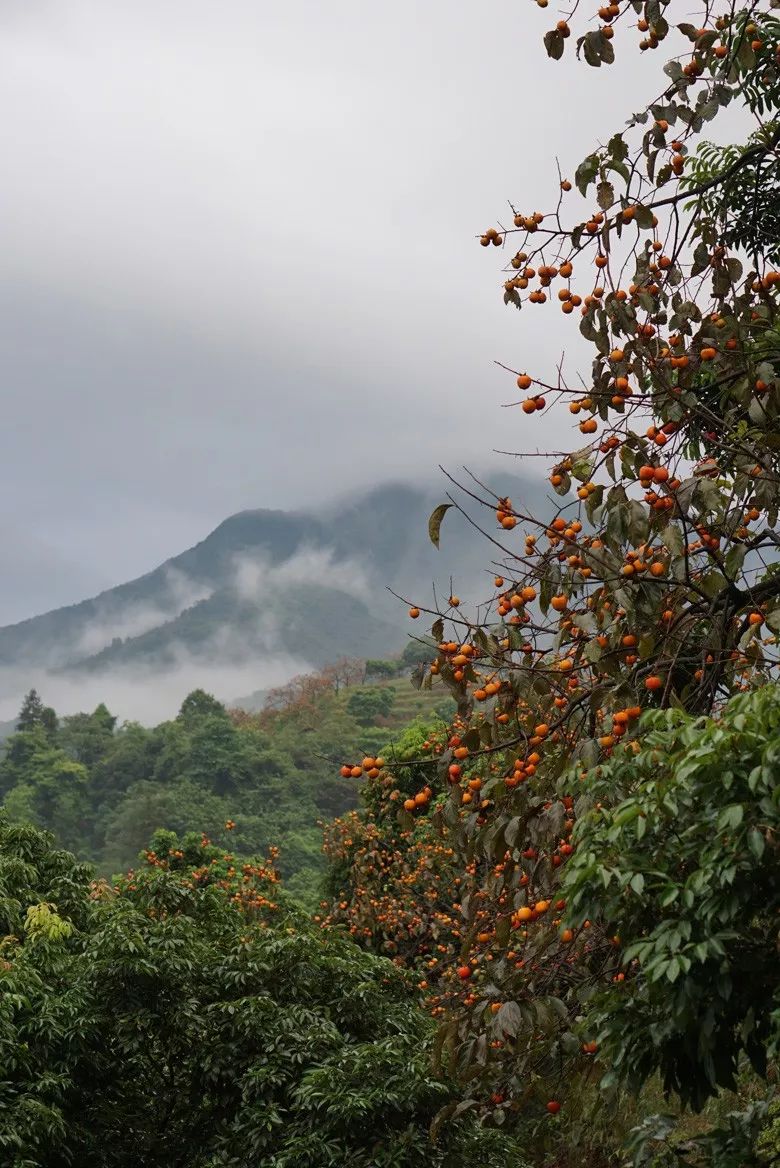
(135, 618)
(222, 665)
(147, 696)
(256, 578)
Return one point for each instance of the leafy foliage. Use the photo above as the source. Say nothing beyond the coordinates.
(366, 705)
(681, 862)
(163, 1023)
(768, 1142)
(103, 790)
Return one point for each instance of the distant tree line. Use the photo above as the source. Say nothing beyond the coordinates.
(102, 788)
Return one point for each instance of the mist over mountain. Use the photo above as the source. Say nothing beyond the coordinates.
(266, 594)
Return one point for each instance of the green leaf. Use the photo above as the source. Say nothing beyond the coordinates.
(471, 738)
(646, 645)
(620, 168)
(509, 1019)
(731, 817)
(586, 173)
(591, 47)
(553, 43)
(644, 218)
(503, 929)
(617, 147)
(756, 843)
(512, 831)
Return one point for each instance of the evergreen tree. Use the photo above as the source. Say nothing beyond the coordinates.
(49, 721)
(31, 713)
(88, 737)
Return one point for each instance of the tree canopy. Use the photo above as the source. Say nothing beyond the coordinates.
(169, 1021)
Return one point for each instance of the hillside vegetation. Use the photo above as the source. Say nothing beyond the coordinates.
(246, 780)
(194, 1017)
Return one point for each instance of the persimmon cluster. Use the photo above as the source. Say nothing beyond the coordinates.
(402, 893)
(369, 766)
(200, 864)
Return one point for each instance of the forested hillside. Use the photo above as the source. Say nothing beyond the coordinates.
(248, 780)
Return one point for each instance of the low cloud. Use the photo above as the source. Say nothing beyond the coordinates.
(225, 664)
(145, 695)
(134, 619)
(256, 577)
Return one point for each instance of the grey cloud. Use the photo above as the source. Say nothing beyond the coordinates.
(255, 576)
(239, 265)
(135, 618)
(35, 570)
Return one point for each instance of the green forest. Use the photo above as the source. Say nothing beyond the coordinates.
(512, 898)
(248, 780)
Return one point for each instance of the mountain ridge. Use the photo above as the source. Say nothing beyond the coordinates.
(310, 585)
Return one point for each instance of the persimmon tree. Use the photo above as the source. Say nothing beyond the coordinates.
(395, 887)
(651, 583)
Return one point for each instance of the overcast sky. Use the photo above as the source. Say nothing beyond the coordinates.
(238, 258)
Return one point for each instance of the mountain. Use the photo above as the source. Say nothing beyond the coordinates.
(296, 588)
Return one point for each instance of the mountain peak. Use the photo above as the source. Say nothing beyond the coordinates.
(284, 589)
